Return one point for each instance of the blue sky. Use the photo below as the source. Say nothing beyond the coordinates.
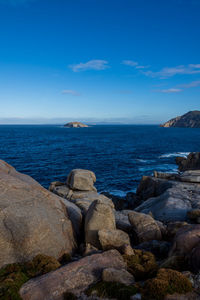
(130, 61)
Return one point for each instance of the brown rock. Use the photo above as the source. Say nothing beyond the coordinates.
(145, 227)
(185, 240)
(99, 216)
(75, 277)
(113, 239)
(32, 220)
(81, 180)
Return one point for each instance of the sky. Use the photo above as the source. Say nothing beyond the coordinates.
(123, 61)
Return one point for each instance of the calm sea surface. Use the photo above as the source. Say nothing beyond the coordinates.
(119, 155)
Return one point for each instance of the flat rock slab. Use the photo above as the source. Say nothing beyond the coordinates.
(170, 200)
(74, 277)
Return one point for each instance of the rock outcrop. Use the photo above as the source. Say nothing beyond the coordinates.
(32, 220)
(192, 162)
(75, 125)
(168, 200)
(75, 277)
(190, 120)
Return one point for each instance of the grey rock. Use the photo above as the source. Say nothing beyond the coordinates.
(99, 216)
(113, 239)
(174, 201)
(115, 275)
(144, 226)
(122, 220)
(74, 277)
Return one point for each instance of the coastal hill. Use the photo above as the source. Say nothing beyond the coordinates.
(75, 125)
(189, 120)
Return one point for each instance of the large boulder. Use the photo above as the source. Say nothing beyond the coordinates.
(145, 228)
(75, 277)
(99, 216)
(81, 180)
(32, 220)
(113, 239)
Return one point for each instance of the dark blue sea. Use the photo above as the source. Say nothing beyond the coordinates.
(118, 154)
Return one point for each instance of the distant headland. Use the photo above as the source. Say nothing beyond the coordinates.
(188, 120)
(75, 125)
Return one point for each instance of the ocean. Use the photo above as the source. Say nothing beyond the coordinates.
(118, 154)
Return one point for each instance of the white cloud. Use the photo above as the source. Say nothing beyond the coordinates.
(134, 64)
(95, 64)
(171, 90)
(70, 92)
(169, 72)
(191, 84)
(130, 63)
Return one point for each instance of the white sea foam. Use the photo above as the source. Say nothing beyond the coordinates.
(121, 193)
(168, 155)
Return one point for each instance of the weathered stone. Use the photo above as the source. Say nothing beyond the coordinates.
(99, 216)
(176, 199)
(32, 220)
(81, 180)
(185, 240)
(75, 215)
(75, 277)
(113, 239)
(114, 275)
(122, 221)
(144, 227)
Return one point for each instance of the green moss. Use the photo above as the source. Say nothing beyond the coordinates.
(13, 276)
(65, 259)
(166, 282)
(142, 265)
(41, 264)
(112, 290)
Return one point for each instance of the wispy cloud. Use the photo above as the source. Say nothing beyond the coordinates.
(171, 90)
(130, 63)
(190, 85)
(169, 72)
(70, 92)
(135, 64)
(95, 64)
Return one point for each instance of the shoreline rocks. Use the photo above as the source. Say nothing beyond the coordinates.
(158, 237)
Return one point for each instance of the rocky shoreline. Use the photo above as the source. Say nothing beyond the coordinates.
(73, 243)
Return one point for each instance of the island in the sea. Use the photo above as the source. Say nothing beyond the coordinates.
(75, 125)
(188, 120)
